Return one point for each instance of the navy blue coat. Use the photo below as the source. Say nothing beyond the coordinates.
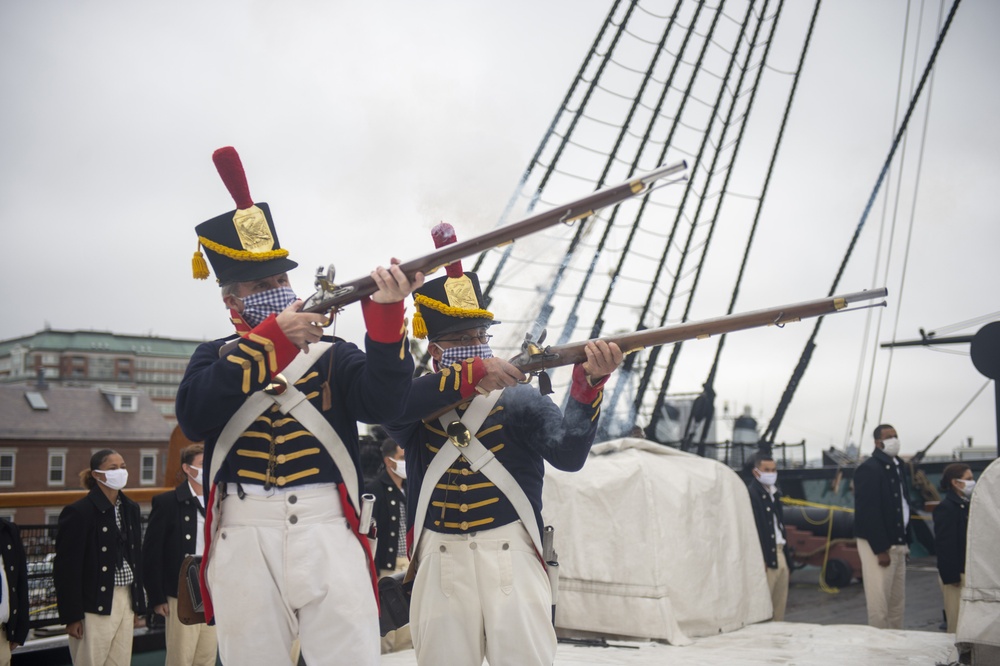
(878, 513)
(951, 523)
(171, 535)
(17, 581)
(764, 512)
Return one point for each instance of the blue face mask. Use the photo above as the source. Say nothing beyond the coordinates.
(258, 307)
(459, 354)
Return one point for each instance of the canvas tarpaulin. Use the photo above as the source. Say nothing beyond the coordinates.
(654, 543)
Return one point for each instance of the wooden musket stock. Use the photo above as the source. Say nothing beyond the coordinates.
(333, 297)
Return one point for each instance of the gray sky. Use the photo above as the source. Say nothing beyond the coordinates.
(364, 124)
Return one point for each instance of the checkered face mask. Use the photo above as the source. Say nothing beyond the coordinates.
(459, 354)
(258, 307)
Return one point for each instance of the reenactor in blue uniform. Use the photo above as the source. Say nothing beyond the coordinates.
(277, 407)
(481, 588)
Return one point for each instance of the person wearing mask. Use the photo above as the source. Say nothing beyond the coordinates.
(951, 520)
(474, 481)
(881, 518)
(277, 406)
(98, 566)
(390, 518)
(176, 529)
(765, 499)
(13, 591)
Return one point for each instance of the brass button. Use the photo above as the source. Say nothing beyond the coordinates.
(463, 525)
(463, 508)
(463, 488)
(281, 459)
(465, 472)
(280, 439)
(281, 480)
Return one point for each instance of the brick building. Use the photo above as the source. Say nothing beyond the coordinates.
(49, 432)
(94, 358)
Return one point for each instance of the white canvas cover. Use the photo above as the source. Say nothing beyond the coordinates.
(979, 614)
(654, 543)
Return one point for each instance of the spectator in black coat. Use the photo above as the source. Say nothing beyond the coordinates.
(390, 518)
(951, 520)
(175, 530)
(13, 591)
(765, 499)
(98, 566)
(881, 518)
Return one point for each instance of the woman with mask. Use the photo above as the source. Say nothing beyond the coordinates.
(951, 518)
(176, 529)
(98, 569)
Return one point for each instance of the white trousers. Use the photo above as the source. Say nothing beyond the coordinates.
(885, 587)
(777, 582)
(952, 601)
(289, 566)
(483, 594)
(188, 644)
(107, 639)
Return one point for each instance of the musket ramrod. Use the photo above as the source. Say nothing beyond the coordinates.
(333, 297)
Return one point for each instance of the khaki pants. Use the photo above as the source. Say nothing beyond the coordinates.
(289, 566)
(189, 644)
(777, 582)
(107, 639)
(399, 639)
(481, 594)
(885, 587)
(4, 649)
(952, 596)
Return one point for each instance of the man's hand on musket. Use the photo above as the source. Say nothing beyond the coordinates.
(603, 358)
(393, 285)
(499, 374)
(301, 328)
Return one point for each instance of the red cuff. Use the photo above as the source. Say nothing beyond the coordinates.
(473, 371)
(278, 349)
(581, 389)
(384, 321)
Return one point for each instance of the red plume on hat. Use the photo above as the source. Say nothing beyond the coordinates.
(444, 234)
(230, 168)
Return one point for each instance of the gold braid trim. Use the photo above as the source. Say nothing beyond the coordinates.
(451, 311)
(241, 255)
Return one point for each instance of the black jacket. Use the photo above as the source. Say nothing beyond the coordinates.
(86, 556)
(17, 581)
(764, 511)
(878, 514)
(951, 522)
(388, 502)
(171, 535)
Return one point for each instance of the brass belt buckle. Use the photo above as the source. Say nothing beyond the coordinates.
(277, 386)
(459, 434)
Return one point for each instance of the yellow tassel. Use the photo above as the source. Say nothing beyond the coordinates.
(419, 325)
(198, 266)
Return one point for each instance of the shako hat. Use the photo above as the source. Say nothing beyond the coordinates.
(450, 303)
(242, 244)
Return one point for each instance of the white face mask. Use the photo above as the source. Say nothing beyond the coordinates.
(399, 467)
(198, 477)
(116, 479)
(967, 487)
(767, 478)
(891, 446)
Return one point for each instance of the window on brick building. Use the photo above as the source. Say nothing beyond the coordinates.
(147, 468)
(8, 459)
(57, 467)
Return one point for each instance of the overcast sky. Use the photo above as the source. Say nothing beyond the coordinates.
(364, 124)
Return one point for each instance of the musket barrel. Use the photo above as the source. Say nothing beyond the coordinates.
(575, 210)
(572, 353)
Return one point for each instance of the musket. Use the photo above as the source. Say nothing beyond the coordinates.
(534, 360)
(333, 297)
